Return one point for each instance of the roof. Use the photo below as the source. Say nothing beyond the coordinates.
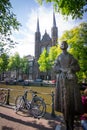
(45, 37)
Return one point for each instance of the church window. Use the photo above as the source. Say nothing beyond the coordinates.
(48, 48)
(42, 49)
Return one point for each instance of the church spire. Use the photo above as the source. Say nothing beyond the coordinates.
(38, 29)
(54, 21)
(54, 31)
(37, 40)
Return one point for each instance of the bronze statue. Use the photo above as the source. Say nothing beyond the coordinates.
(67, 93)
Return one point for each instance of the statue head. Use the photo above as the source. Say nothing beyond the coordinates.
(64, 45)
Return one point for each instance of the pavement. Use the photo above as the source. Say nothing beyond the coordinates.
(9, 120)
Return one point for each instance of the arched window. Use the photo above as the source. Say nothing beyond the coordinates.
(48, 48)
(42, 49)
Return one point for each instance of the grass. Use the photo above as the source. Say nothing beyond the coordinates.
(45, 93)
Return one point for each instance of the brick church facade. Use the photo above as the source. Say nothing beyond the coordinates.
(44, 43)
(40, 44)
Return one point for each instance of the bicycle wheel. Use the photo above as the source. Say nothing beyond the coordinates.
(2, 98)
(19, 103)
(38, 107)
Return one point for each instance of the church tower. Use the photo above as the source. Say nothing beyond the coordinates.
(41, 43)
(37, 40)
(54, 31)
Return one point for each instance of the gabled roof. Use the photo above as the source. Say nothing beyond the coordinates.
(46, 37)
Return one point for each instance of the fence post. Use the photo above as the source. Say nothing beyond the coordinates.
(53, 112)
(8, 97)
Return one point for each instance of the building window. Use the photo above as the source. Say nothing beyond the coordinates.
(30, 63)
(42, 49)
(48, 48)
(30, 70)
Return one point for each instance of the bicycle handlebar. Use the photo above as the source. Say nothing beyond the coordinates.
(32, 91)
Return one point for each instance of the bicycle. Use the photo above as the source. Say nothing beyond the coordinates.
(3, 96)
(36, 106)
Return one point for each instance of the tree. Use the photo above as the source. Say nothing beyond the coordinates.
(77, 39)
(47, 59)
(74, 8)
(53, 53)
(24, 66)
(14, 63)
(19, 65)
(44, 61)
(3, 62)
(8, 22)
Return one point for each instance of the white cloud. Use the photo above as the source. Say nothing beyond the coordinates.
(25, 36)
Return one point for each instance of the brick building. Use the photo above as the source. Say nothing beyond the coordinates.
(40, 44)
(45, 42)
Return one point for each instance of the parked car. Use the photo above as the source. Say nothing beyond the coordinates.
(53, 81)
(11, 82)
(25, 82)
(38, 80)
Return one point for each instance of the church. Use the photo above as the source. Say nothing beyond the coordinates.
(41, 43)
(44, 43)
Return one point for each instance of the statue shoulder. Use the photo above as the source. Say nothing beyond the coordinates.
(57, 59)
(72, 57)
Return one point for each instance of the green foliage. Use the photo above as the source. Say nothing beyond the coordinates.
(18, 64)
(3, 62)
(53, 53)
(7, 17)
(74, 8)
(14, 62)
(24, 65)
(46, 59)
(8, 22)
(77, 40)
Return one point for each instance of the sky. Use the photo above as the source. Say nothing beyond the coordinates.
(27, 12)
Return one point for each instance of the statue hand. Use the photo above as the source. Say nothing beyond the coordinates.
(65, 70)
(69, 71)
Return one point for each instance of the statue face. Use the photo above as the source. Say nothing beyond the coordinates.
(64, 45)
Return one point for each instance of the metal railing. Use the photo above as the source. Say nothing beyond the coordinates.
(8, 95)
